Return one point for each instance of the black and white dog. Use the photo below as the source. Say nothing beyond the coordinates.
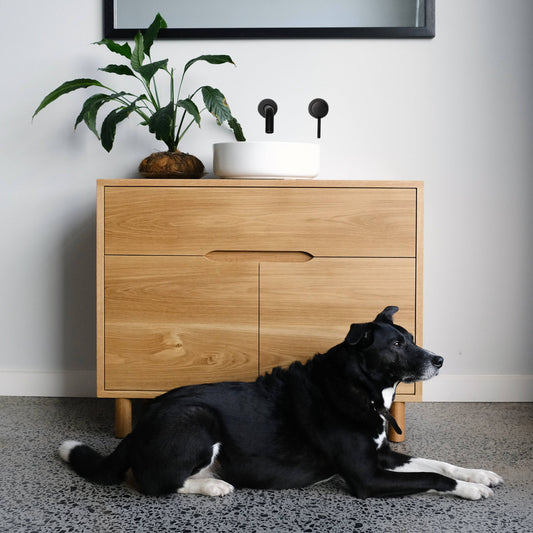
(290, 428)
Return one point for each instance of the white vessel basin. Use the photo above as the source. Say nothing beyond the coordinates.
(266, 160)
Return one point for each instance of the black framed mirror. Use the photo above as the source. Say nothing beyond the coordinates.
(273, 19)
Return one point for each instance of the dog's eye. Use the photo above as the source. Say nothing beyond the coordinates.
(397, 343)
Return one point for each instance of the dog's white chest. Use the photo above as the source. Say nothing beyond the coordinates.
(388, 395)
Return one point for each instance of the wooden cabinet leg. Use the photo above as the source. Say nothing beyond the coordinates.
(397, 410)
(122, 417)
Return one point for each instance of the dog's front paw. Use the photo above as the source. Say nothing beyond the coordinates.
(472, 491)
(485, 477)
(217, 487)
(207, 486)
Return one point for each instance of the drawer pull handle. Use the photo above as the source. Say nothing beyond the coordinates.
(257, 256)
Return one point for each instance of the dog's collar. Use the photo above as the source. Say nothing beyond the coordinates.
(385, 413)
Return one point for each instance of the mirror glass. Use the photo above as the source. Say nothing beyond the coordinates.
(273, 18)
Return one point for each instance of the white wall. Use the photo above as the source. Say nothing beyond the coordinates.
(455, 111)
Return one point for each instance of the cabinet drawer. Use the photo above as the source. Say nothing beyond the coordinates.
(336, 221)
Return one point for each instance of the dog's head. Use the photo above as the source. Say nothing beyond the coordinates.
(387, 354)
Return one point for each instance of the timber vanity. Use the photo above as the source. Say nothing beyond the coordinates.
(210, 280)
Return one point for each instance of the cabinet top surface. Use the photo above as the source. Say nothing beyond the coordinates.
(140, 182)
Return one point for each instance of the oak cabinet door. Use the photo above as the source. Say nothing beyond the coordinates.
(308, 307)
(171, 321)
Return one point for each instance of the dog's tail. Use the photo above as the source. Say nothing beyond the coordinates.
(89, 464)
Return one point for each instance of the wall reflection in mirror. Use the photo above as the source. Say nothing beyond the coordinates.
(273, 19)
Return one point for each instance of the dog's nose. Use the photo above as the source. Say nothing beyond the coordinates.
(437, 361)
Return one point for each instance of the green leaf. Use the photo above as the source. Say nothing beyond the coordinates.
(137, 57)
(109, 125)
(151, 33)
(161, 123)
(122, 49)
(123, 70)
(237, 129)
(213, 59)
(216, 104)
(89, 111)
(191, 108)
(147, 71)
(91, 107)
(67, 87)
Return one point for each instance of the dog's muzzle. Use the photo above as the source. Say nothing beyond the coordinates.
(431, 366)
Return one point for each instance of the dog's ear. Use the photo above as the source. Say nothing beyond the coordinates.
(387, 314)
(359, 333)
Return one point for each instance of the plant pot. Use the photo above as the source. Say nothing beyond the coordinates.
(171, 165)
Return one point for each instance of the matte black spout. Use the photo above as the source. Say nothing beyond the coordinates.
(269, 116)
(268, 108)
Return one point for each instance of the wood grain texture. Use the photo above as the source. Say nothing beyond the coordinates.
(321, 222)
(307, 308)
(172, 321)
(419, 330)
(123, 417)
(398, 412)
(261, 183)
(177, 317)
(100, 300)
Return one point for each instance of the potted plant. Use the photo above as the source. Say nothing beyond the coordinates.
(168, 119)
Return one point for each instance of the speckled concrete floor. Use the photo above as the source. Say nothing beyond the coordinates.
(38, 493)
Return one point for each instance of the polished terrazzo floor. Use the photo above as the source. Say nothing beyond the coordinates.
(38, 493)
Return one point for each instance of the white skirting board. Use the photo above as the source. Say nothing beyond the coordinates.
(479, 388)
(444, 388)
(69, 384)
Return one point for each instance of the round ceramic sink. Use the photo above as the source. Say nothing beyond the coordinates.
(266, 160)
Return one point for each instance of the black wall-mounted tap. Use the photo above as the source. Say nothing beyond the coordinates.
(268, 108)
